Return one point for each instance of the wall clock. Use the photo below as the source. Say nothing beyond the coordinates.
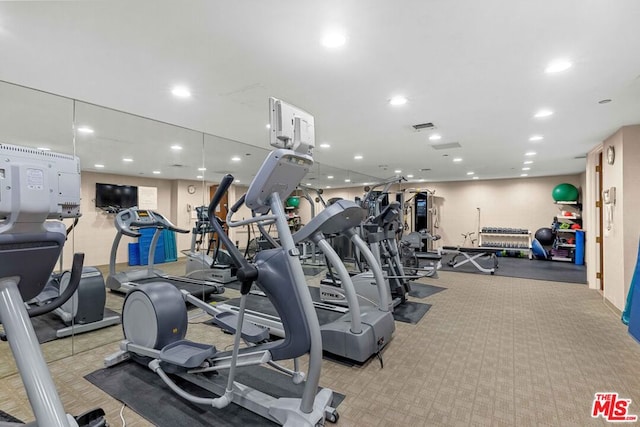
(191, 189)
(611, 154)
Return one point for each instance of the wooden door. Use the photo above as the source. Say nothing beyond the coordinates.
(599, 216)
(221, 210)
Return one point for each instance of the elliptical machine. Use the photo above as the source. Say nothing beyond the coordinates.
(84, 311)
(154, 315)
(214, 264)
(36, 185)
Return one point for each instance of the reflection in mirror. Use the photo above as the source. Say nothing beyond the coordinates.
(331, 182)
(224, 156)
(38, 120)
(157, 166)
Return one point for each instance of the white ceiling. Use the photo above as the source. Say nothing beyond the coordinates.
(474, 69)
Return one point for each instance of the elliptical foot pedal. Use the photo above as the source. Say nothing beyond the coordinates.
(92, 418)
(228, 321)
(187, 354)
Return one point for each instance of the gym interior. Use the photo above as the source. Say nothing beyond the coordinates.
(415, 215)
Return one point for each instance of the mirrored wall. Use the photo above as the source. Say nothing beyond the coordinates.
(38, 120)
(174, 169)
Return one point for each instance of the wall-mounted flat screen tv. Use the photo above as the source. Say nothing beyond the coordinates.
(116, 196)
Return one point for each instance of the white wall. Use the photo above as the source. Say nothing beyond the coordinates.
(517, 203)
(95, 231)
(631, 206)
(620, 243)
(514, 203)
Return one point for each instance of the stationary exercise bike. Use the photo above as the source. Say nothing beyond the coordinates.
(36, 186)
(155, 320)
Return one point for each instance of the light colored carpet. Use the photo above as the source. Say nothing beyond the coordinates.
(491, 351)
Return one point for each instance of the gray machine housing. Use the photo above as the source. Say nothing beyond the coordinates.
(377, 324)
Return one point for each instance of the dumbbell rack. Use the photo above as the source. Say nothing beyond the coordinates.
(505, 238)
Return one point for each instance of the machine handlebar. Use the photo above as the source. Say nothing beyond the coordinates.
(74, 282)
(130, 220)
(217, 197)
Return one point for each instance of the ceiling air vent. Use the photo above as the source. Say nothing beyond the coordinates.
(423, 126)
(445, 146)
(177, 166)
(583, 156)
(425, 169)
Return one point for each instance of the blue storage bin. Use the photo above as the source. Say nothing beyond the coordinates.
(170, 247)
(134, 254)
(579, 254)
(145, 244)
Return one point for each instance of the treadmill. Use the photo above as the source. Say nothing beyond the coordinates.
(128, 222)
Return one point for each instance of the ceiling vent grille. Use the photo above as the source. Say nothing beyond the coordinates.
(583, 156)
(424, 126)
(176, 165)
(446, 146)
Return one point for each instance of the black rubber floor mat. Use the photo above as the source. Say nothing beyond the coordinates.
(4, 417)
(421, 290)
(410, 312)
(47, 325)
(144, 392)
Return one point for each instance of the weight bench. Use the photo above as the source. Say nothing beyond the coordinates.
(471, 255)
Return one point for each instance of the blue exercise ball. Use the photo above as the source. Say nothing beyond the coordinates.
(538, 251)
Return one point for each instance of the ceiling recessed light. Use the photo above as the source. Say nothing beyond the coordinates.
(236, 159)
(530, 153)
(268, 126)
(409, 176)
(44, 148)
(604, 101)
(524, 174)
(435, 137)
(199, 177)
(328, 186)
(202, 169)
(99, 166)
(528, 162)
(470, 173)
(181, 92)
(421, 180)
(543, 113)
(325, 145)
(398, 100)
(330, 177)
(176, 147)
(457, 159)
(127, 159)
(156, 172)
(333, 40)
(536, 138)
(85, 129)
(526, 169)
(308, 184)
(475, 177)
(357, 157)
(237, 181)
(558, 66)
(397, 171)
(347, 180)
